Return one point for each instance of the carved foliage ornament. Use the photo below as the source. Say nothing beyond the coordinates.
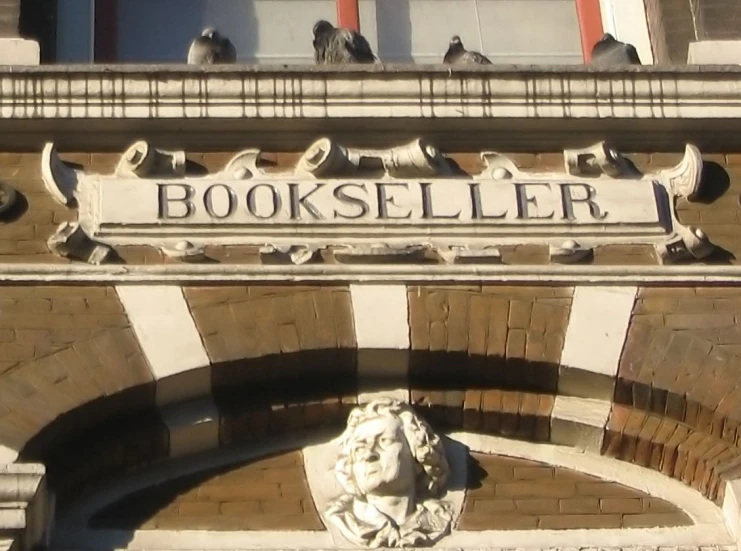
(406, 204)
(393, 468)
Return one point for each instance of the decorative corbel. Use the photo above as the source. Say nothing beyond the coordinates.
(61, 181)
(143, 160)
(497, 167)
(71, 241)
(289, 254)
(417, 159)
(8, 198)
(685, 179)
(687, 243)
(184, 251)
(570, 252)
(380, 254)
(597, 160)
(470, 255)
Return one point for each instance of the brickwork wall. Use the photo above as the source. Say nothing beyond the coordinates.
(679, 380)
(517, 494)
(61, 347)
(681, 357)
(510, 335)
(486, 358)
(249, 322)
(268, 494)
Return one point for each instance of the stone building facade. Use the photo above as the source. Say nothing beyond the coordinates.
(404, 305)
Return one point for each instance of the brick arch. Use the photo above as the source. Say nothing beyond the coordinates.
(677, 390)
(110, 435)
(479, 359)
(60, 348)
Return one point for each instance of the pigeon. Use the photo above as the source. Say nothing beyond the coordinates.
(210, 48)
(338, 46)
(458, 55)
(609, 52)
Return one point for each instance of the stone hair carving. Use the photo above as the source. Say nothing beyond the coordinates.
(392, 467)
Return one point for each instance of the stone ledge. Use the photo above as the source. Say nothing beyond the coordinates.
(174, 274)
(290, 92)
(517, 108)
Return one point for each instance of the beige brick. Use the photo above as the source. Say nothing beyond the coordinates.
(563, 522)
(621, 505)
(650, 520)
(582, 505)
(536, 489)
(537, 506)
(201, 508)
(491, 506)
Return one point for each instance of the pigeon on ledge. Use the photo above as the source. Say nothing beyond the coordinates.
(210, 48)
(458, 55)
(334, 45)
(609, 52)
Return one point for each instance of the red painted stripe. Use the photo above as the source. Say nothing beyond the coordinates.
(348, 15)
(590, 25)
(106, 31)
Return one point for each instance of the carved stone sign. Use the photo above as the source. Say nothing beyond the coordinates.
(371, 204)
(378, 207)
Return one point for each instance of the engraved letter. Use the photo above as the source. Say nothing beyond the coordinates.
(208, 201)
(345, 198)
(477, 212)
(427, 212)
(252, 201)
(298, 201)
(384, 201)
(163, 211)
(524, 201)
(568, 200)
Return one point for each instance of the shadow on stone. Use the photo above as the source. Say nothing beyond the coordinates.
(715, 182)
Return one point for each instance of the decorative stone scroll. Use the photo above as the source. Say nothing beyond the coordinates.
(392, 467)
(403, 205)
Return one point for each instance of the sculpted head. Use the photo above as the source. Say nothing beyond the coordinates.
(388, 450)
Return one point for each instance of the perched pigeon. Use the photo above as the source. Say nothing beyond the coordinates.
(609, 52)
(336, 46)
(457, 54)
(210, 48)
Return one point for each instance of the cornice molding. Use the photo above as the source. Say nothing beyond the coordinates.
(301, 92)
(512, 108)
(174, 274)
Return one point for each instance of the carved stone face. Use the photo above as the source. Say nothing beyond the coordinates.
(382, 463)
